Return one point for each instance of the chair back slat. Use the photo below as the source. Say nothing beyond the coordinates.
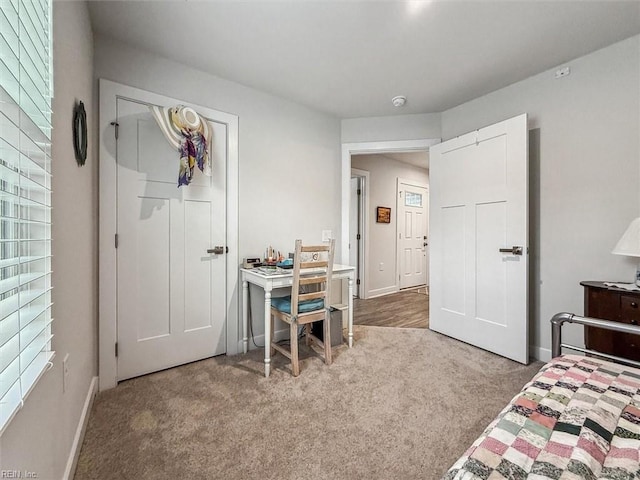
(315, 248)
(320, 264)
(310, 296)
(313, 280)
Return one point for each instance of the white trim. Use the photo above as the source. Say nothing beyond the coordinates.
(349, 149)
(107, 327)
(363, 271)
(380, 292)
(539, 353)
(74, 454)
(403, 181)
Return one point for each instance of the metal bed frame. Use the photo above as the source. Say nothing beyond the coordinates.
(560, 319)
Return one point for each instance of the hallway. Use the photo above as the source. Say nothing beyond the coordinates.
(405, 309)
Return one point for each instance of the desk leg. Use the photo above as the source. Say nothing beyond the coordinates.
(245, 316)
(267, 331)
(350, 303)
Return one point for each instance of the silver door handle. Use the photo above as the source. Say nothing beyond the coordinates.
(217, 250)
(515, 250)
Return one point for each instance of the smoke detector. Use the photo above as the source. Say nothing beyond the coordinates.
(399, 101)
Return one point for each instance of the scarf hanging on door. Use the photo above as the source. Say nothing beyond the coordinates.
(190, 134)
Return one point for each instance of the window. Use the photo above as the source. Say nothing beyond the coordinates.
(25, 199)
(412, 199)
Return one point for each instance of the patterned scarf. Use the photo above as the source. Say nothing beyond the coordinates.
(193, 150)
(190, 134)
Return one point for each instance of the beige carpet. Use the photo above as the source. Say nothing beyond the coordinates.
(402, 404)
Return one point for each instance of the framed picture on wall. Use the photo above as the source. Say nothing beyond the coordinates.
(383, 215)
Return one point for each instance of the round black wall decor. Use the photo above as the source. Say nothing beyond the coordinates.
(80, 133)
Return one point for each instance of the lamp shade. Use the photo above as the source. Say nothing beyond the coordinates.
(629, 244)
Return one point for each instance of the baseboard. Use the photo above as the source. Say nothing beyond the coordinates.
(379, 292)
(72, 462)
(539, 353)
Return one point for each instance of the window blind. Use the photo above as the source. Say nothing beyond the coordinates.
(26, 88)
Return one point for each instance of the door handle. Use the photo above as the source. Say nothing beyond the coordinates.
(515, 250)
(217, 250)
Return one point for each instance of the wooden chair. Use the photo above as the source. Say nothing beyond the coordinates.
(310, 269)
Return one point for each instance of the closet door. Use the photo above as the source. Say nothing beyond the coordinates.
(171, 292)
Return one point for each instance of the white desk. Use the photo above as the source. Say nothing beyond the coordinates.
(269, 282)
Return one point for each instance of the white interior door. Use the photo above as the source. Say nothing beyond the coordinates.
(413, 221)
(171, 292)
(479, 206)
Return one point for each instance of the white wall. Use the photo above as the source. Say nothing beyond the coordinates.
(383, 175)
(395, 127)
(289, 154)
(585, 166)
(39, 438)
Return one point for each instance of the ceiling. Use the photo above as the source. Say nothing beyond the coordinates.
(349, 58)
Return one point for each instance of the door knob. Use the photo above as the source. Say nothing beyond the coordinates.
(425, 244)
(217, 250)
(515, 250)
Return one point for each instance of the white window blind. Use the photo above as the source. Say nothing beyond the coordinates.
(26, 88)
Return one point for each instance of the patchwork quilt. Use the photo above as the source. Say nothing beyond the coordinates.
(579, 418)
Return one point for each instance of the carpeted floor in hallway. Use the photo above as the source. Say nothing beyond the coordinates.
(402, 404)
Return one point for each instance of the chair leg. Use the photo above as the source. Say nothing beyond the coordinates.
(295, 366)
(326, 324)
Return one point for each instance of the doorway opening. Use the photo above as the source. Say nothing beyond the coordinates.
(392, 270)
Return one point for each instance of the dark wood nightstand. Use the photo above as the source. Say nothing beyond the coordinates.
(615, 304)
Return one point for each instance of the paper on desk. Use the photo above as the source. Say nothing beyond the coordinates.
(273, 271)
(624, 286)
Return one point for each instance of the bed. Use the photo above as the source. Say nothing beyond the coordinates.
(578, 418)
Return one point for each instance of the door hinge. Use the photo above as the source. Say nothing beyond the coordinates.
(359, 192)
(226, 249)
(358, 282)
(116, 349)
(358, 237)
(116, 126)
(116, 240)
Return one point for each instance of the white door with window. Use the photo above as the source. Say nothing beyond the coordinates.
(413, 228)
(479, 240)
(170, 289)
